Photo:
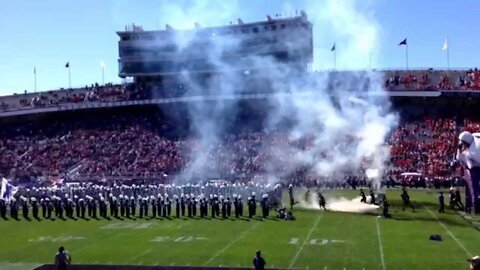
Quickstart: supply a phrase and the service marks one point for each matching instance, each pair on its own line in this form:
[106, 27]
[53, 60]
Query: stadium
[223, 141]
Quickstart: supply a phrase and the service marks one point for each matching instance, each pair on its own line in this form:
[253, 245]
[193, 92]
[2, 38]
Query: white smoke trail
[345, 117]
[338, 204]
[349, 24]
[350, 206]
[360, 109]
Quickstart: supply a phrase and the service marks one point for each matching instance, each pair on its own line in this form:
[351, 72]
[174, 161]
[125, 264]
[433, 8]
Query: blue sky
[48, 33]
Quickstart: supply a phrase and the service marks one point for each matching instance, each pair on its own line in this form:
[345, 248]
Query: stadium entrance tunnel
[129, 267]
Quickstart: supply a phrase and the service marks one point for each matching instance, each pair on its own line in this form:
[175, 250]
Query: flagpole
[406, 55]
[335, 59]
[448, 55]
[69, 77]
[370, 59]
[448, 58]
[103, 75]
[35, 79]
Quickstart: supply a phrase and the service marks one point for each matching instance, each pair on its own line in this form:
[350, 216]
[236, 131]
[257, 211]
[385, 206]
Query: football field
[316, 240]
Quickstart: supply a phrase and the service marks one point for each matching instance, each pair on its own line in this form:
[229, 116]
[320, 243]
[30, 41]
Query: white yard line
[113, 236]
[449, 232]
[19, 265]
[304, 242]
[380, 245]
[79, 249]
[140, 255]
[231, 243]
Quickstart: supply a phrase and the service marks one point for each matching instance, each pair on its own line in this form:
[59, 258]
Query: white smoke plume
[351, 25]
[339, 204]
[344, 117]
[350, 206]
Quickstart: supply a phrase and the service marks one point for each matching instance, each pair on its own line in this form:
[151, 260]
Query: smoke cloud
[339, 204]
[344, 117]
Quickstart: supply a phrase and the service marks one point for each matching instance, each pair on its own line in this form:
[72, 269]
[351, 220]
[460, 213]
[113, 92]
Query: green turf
[297, 244]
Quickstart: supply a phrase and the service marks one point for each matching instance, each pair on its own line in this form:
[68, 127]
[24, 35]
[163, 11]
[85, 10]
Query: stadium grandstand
[142, 128]
[400, 82]
[147, 133]
[74, 146]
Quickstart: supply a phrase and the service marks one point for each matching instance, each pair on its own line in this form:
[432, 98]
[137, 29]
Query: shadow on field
[398, 204]
[431, 219]
[128, 267]
[420, 213]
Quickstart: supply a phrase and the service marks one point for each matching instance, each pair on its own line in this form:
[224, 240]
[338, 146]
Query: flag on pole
[333, 48]
[445, 45]
[447, 51]
[404, 42]
[102, 64]
[67, 65]
[7, 190]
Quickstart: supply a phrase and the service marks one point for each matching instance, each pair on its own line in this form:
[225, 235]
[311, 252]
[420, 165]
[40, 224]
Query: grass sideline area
[316, 240]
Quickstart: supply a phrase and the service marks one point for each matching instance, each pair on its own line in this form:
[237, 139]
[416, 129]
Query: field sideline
[316, 240]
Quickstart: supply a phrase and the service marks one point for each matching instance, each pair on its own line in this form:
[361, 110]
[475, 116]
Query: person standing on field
[62, 259]
[258, 261]
[441, 202]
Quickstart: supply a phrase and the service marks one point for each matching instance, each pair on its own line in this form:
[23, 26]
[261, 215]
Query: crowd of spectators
[438, 80]
[93, 93]
[136, 148]
[426, 146]
[394, 80]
